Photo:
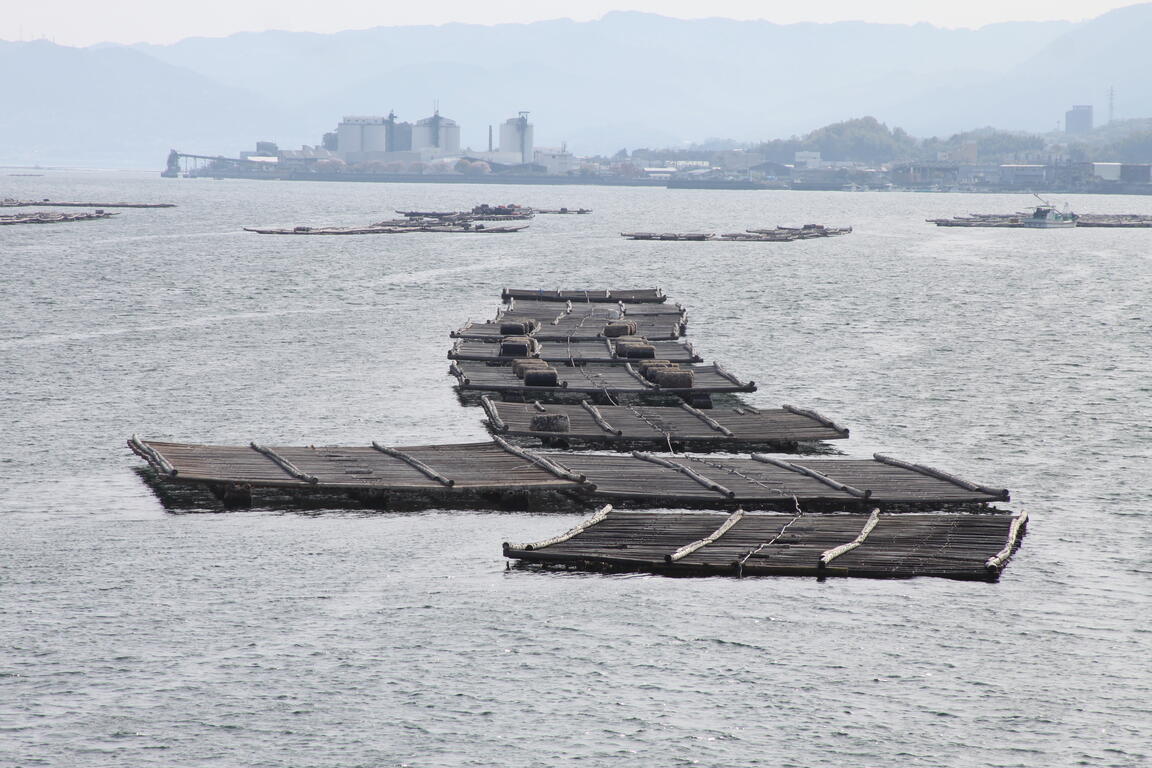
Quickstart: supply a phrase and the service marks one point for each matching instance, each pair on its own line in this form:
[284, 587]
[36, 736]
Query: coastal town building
[1078, 120]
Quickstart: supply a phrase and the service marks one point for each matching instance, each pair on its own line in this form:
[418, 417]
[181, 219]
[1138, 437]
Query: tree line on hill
[868, 141]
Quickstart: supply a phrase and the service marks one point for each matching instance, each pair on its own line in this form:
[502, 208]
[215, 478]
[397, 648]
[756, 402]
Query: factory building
[436, 136]
[370, 138]
[516, 138]
[1078, 120]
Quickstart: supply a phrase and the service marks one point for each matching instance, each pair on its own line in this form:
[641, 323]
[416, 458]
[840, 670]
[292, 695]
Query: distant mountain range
[626, 80]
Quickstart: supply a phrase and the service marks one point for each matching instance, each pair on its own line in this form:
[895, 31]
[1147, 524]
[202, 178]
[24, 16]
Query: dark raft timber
[633, 385]
[969, 547]
[44, 217]
[661, 427]
[439, 472]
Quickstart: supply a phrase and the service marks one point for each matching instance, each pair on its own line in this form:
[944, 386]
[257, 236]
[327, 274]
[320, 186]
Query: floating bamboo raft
[776, 235]
[389, 229]
[627, 296]
[482, 212]
[571, 327]
[770, 481]
[595, 378]
[969, 547]
[660, 426]
[434, 472]
[43, 217]
[568, 321]
[576, 352]
[546, 310]
[46, 203]
[638, 478]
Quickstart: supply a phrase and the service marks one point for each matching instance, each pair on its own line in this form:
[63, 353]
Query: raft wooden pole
[647, 384]
[996, 562]
[1001, 492]
[699, 478]
[814, 475]
[494, 417]
[151, 455]
[286, 465]
[831, 554]
[598, 417]
[539, 461]
[711, 422]
[459, 374]
[597, 518]
[688, 549]
[818, 417]
[749, 387]
[415, 463]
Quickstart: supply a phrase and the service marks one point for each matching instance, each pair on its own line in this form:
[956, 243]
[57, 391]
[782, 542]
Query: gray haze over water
[135, 636]
[626, 80]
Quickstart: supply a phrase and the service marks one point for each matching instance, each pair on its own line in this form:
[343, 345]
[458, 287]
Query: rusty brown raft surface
[661, 425]
[638, 478]
[972, 547]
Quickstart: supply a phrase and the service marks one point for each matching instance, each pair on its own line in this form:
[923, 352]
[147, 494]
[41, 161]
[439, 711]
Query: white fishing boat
[1045, 216]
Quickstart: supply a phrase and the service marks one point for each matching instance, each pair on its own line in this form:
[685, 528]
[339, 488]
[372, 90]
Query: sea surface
[134, 635]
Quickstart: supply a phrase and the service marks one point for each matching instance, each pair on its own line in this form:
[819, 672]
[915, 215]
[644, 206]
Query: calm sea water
[134, 636]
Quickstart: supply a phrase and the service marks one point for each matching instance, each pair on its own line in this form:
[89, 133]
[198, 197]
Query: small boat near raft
[1045, 216]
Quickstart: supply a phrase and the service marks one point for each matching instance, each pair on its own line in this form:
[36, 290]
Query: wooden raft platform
[659, 425]
[436, 470]
[594, 378]
[554, 311]
[440, 471]
[46, 203]
[576, 322]
[763, 479]
[968, 547]
[572, 351]
[626, 295]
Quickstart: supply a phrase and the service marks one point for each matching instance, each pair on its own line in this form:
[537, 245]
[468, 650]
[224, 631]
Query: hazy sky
[83, 22]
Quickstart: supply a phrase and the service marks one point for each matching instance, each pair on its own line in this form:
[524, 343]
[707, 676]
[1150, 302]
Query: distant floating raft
[586, 351]
[577, 324]
[572, 329]
[596, 378]
[659, 425]
[54, 218]
[776, 235]
[10, 203]
[954, 546]
[615, 295]
[438, 472]
[387, 230]
[669, 236]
